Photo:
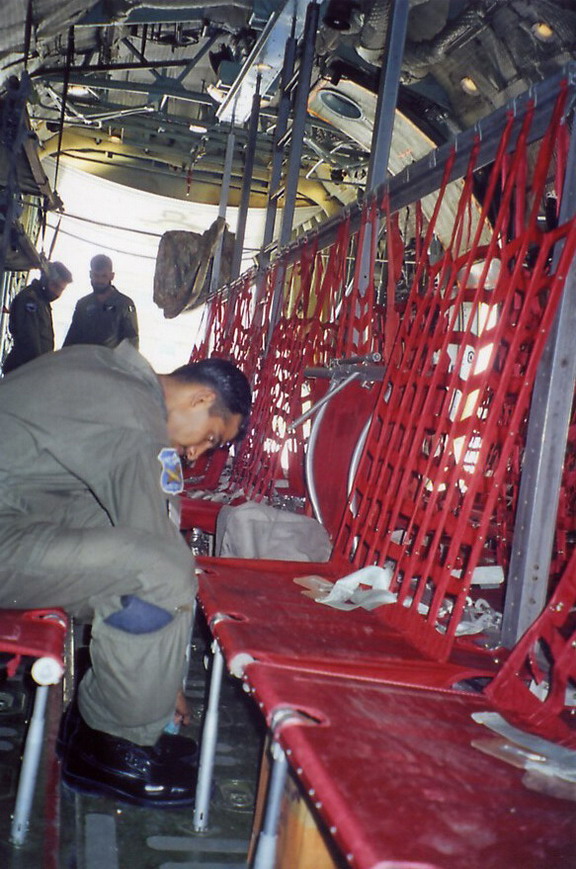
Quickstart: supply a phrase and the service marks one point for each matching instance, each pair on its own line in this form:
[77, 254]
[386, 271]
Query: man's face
[101, 279]
[54, 289]
[193, 429]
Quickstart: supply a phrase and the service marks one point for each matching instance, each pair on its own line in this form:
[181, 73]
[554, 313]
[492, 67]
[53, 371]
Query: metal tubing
[388, 95]
[295, 158]
[264, 857]
[337, 386]
[246, 183]
[29, 769]
[208, 744]
[299, 121]
[539, 494]
[278, 150]
[224, 194]
[383, 127]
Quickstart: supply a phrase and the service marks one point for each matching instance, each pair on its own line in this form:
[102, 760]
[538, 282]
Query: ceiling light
[115, 135]
[542, 31]
[469, 86]
[197, 127]
[78, 90]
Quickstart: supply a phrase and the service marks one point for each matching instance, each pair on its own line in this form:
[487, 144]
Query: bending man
[90, 440]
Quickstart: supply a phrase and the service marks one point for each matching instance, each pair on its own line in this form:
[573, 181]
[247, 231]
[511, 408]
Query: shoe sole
[88, 786]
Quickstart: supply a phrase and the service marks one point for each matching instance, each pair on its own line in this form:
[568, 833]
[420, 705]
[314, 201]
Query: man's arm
[129, 325]
[25, 327]
[73, 336]
[131, 490]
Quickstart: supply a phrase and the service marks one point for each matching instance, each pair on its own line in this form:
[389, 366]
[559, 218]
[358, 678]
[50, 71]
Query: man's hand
[182, 712]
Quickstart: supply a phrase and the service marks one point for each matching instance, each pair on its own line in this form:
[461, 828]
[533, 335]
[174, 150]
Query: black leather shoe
[156, 776]
[171, 746]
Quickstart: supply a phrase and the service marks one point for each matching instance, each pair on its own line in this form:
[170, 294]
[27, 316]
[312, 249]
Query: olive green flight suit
[103, 321]
[30, 326]
[84, 521]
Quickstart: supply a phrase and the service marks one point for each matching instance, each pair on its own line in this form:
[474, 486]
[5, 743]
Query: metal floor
[73, 831]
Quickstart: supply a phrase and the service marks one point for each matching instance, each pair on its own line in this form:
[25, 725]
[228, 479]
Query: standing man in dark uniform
[31, 316]
[90, 442]
[106, 316]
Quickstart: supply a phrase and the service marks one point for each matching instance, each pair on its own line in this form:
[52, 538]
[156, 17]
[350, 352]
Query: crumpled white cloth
[368, 588]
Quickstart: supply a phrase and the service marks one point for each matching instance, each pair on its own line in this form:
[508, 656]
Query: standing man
[31, 316]
[106, 316]
[90, 442]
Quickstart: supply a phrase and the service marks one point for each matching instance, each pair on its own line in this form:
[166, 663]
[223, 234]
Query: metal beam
[149, 13]
[54, 71]
[296, 146]
[246, 183]
[536, 514]
[383, 127]
[299, 121]
[223, 205]
[278, 150]
[388, 95]
[175, 90]
[264, 60]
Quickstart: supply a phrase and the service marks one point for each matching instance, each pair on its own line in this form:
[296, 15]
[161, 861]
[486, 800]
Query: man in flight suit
[90, 440]
[31, 316]
[105, 316]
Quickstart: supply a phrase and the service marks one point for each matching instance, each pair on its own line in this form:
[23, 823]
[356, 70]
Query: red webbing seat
[459, 380]
[395, 774]
[458, 383]
[38, 634]
[394, 777]
[260, 613]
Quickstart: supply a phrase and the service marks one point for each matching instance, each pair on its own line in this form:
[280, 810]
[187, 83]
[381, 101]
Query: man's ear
[201, 396]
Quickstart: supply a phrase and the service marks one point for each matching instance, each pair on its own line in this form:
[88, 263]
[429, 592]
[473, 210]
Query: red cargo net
[461, 374]
[536, 688]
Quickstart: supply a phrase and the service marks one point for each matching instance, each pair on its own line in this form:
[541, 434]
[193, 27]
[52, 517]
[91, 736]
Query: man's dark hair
[232, 389]
[57, 271]
[100, 261]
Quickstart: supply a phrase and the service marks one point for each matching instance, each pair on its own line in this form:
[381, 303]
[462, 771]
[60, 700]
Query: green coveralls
[30, 326]
[106, 322]
[84, 520]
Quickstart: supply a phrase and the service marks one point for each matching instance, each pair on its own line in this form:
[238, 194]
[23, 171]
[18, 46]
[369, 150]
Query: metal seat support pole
[539, 494]
[208, 743]
[223, 204]
[29, 769]
[265, 855]
[246, 182]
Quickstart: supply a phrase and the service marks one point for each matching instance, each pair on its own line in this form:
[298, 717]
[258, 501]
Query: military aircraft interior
[369, 207]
